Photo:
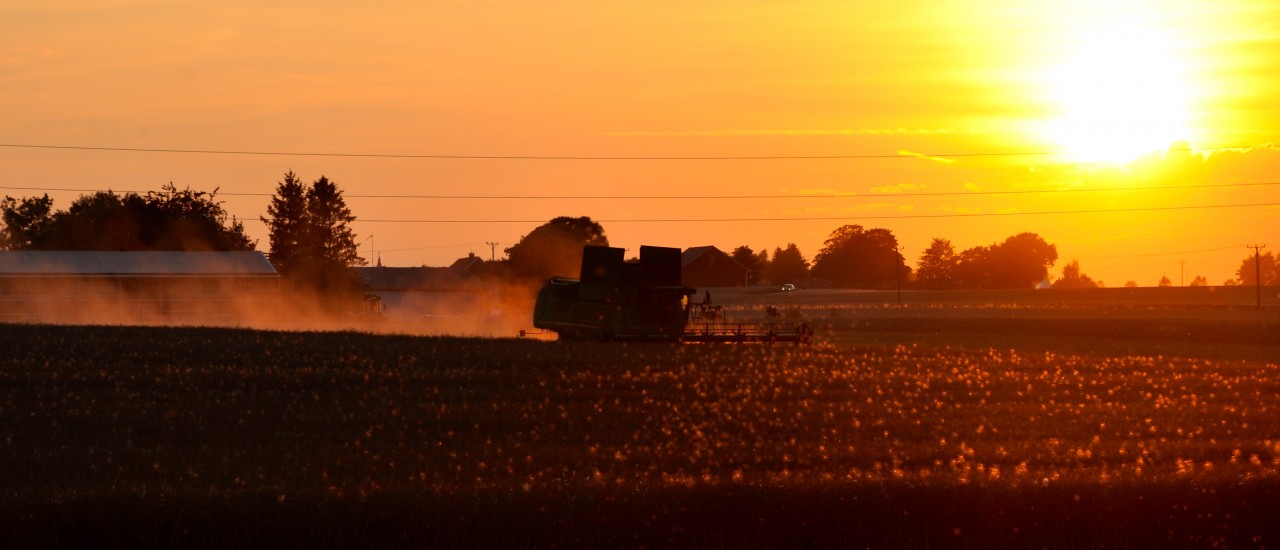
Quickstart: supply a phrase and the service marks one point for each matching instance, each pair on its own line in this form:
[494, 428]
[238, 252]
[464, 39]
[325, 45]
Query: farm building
[135, 287]
[708, 266]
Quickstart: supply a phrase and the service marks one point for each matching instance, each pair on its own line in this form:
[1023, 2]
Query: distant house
[708, 266]
[466, 264]
[68, 286]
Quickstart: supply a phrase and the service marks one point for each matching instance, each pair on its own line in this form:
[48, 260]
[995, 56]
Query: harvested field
[893, 430]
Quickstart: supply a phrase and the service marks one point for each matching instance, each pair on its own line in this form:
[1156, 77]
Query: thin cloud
[943, 160]
[727, 132]
[825, 192]
[898, 188]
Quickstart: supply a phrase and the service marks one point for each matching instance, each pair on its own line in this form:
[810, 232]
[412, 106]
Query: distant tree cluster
[1020, 261]
[856, 257]
[1072, 277]
[169, 219]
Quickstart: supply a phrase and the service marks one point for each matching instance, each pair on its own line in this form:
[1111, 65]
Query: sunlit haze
[1132, 135]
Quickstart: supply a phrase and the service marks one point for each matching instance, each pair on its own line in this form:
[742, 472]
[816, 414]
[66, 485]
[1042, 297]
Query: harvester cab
[615, 300]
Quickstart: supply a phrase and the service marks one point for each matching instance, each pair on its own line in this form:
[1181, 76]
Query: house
[467, 264]
[708, 266]
[73, 286]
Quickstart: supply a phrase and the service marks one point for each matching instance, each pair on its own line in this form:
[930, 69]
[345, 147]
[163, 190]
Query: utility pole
[492, 247]
[1257, 270]
[1182, 278]
[897, 270]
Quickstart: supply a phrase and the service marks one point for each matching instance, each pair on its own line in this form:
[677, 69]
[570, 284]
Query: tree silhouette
[787, 266]
[286, 221]
[1200, 280]
[859, 258]
[1249, 270]
[25, 221]
[554, 248]
[1073, 278]
[1164, 282]
[312, 243]
[170, 219]
[936, 269]
[748, 259]
[1021, 261]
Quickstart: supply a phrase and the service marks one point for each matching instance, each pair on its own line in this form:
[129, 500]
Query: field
[952, 423]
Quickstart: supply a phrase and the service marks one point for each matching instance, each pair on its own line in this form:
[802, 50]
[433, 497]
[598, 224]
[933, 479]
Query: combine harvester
[618, 301]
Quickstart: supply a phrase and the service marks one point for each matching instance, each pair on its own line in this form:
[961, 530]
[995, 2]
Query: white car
[788, 287]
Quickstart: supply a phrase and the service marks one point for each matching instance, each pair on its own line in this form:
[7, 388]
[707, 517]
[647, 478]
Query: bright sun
[1122, 94]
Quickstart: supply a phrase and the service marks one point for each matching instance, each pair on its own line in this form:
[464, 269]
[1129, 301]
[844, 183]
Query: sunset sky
[1133, 135]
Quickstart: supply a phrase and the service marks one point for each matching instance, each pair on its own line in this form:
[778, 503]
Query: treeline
[312, 244]
[856, 257]
[169, 219]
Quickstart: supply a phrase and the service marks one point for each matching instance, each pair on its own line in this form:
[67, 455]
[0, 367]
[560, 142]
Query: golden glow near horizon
[1100, 82]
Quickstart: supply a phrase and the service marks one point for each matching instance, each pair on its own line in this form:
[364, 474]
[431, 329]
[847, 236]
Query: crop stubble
[182, 435]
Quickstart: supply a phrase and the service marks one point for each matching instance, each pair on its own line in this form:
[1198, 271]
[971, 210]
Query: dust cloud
[237, 296]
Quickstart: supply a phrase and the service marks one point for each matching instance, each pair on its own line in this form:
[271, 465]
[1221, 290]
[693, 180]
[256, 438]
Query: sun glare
[1122, 93]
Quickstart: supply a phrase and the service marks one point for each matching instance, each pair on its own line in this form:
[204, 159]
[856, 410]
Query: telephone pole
[492, 246]
[897, 270]
[1257, 270]
[1182, 277]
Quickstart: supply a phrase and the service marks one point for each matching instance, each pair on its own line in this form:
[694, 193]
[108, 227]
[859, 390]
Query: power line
[1158, 253]
[557, 157]
[855, 218]
[716, 197]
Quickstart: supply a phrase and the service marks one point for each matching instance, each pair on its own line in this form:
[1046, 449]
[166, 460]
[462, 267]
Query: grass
[968, 431]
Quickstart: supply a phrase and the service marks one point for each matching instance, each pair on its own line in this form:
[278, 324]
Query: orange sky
[1097, 83]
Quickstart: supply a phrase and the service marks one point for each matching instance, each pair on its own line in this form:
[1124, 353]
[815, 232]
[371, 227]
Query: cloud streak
[793, 132]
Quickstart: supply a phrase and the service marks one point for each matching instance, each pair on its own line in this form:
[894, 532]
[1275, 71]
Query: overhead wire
[437, 156]
[715, 197]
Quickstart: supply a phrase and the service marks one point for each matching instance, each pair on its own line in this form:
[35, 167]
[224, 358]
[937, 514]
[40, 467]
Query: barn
[68, 286]
[708, 266]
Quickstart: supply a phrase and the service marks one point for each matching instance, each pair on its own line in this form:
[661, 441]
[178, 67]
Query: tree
[1200, 280]
[192, 220]
[787, 266]
[973, 268]
[1131, 284]
[1164, 282]
[286, 223]
[1021, 261]
[25, 221]
[171, 219]
[312, 243]
[1249, 270]
[937, 266]
[1073, 278]
[750, 260]
[328, 233]
[860, 258]
[554, 248]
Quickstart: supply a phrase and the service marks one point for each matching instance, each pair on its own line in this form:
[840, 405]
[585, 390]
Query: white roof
[98, 263]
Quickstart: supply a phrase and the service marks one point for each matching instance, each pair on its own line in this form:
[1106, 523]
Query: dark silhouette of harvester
[614, 300]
